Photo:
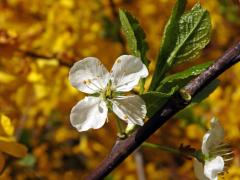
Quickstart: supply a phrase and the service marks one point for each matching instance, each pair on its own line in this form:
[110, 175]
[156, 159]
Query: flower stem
[183, 152]
[163, 148]
[141, 83]
[121, 133]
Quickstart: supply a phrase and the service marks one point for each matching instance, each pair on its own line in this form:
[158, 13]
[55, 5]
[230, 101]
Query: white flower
[91, 77]
[217, 155]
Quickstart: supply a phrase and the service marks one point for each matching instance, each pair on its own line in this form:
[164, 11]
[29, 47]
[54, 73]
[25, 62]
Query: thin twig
[139, 160]
[113, 9]
[125, 147]
[35, 55]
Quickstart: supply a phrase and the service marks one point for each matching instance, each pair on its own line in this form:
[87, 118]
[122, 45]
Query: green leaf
[155, 100]
[168, 42]
[109, 177]
[25, 137]
[182, 78]
[194, 34]
[135, 35]
[204, 93]
[28, 161]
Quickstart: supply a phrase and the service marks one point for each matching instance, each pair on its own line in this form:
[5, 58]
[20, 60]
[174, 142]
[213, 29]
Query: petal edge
[88, 75]
[126, 72]
[130, 108]
[91, 112]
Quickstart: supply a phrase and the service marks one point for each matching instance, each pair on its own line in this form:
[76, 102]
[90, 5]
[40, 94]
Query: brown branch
[113, 9]
[35, 55]
[124, 148]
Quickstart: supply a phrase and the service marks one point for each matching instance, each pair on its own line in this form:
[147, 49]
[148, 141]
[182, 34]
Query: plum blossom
[106, 91]
[216, 154]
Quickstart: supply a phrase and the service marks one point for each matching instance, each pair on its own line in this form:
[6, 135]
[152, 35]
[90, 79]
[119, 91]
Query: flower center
[108, 91]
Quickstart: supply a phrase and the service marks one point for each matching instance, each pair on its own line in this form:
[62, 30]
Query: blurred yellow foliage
[6, 127]
[6, 78]
[8, 144]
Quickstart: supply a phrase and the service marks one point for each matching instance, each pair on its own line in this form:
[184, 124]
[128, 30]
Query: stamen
[125, 117]
[225, 151]
[228, 154]
[86, 82]
[96, 86]
[223, 145]
[221, 151]
[221, 173]
[89, 82]
[118, 60]
[227, 160]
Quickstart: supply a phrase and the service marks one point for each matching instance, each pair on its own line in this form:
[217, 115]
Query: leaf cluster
[184, 37]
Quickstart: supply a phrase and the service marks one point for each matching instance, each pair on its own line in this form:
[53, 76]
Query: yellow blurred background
[40, 39]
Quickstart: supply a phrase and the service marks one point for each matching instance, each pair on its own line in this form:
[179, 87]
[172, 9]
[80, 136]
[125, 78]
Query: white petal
[198, 170]
[130, 108]
[126, 72]
[213, 137]
[213, 167]
[91, 112]
[89, 75]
